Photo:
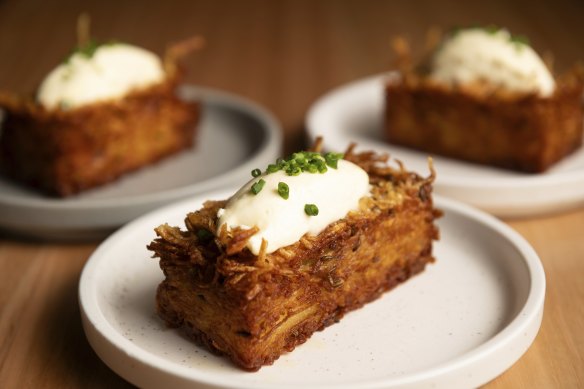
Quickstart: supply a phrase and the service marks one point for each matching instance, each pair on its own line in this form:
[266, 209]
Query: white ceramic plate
[235, 136]
[460, 323]
[354, 113]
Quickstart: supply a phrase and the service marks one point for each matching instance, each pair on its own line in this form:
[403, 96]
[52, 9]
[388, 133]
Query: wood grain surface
[283, 55]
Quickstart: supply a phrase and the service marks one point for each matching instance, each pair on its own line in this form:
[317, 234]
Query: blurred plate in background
[235, 136]
[354, 113]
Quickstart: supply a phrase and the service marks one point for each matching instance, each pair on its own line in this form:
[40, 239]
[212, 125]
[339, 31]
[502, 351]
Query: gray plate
[354, 113]
[235, 136]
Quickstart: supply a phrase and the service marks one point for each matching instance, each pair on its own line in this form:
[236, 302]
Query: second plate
[235, 136]
[354, 113]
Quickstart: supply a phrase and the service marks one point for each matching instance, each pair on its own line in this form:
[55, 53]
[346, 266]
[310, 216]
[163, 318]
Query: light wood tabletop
[283, 55]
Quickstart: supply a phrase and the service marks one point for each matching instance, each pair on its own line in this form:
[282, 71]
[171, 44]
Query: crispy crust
[64, 152]
[253, 309]
[475, 123]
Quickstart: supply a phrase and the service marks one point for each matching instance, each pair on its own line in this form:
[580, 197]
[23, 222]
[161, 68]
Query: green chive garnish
[256, 172]
[293, 170]
[305, 161]
[321, 166]
[204, 235]
[257, 187]
[87, 50]
[283, 190]
[520, 40]
[492, 29]
[299, 157]
[311, 209]
[332, 159]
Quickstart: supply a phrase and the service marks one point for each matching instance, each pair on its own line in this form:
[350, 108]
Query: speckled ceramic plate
[354, 113]
[462, 322]
[235, 136]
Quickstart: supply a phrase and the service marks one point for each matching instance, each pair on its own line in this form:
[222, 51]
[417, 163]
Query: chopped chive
[332, 159]
[293, 170]
[520, 40]
[311, 209]
[204, 235]
[305, 161]
[283, 190]
[298, 157]
[455, 30]
[256, 172]
[87, 50]
[258, 186]
[64, 105]
[492, 29]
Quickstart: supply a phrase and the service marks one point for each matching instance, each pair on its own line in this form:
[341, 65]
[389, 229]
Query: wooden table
[284, 55]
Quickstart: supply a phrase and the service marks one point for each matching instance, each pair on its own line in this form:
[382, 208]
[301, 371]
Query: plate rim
[528, 316]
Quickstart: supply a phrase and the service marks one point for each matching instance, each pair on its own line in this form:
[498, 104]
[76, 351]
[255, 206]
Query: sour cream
[283, 222]
[111, 72]
[492, 56]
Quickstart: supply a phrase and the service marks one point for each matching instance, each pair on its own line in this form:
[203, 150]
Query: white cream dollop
[111, 72]
[476, 54]
[283, 222]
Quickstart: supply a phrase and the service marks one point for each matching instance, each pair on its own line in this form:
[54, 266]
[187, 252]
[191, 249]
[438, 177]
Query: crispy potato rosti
[254, 308]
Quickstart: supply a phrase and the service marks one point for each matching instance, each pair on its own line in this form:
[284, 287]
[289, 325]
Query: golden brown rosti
[254, 308]
[513, 130]
[66, 151]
